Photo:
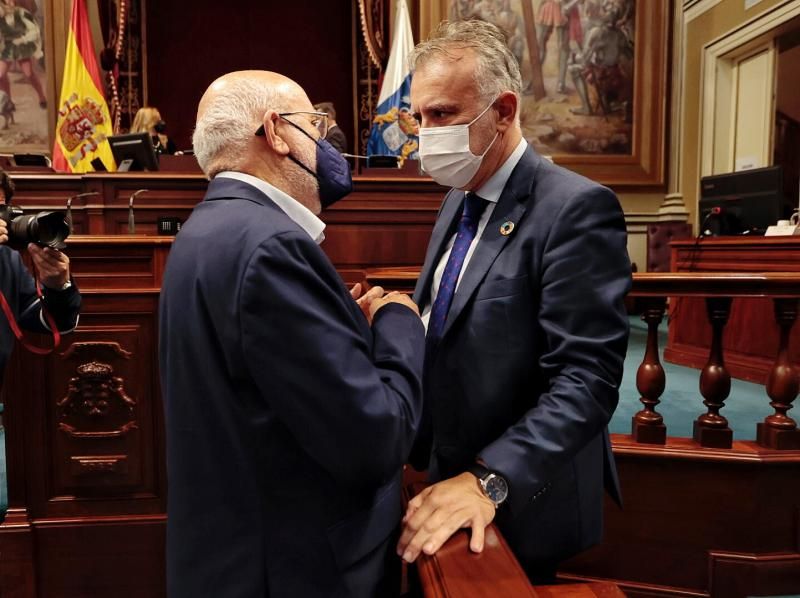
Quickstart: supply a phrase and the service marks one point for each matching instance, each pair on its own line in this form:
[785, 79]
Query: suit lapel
[445, 227]
[510, 208]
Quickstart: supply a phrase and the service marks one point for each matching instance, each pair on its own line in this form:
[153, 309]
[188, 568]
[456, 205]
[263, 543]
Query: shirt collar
[493, 188]
[301, 215]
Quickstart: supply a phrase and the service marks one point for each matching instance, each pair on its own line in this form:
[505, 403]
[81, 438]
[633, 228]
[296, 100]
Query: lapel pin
[506, 228]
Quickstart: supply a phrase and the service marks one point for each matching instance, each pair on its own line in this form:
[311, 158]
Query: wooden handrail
[655, 284]
[457, 572]
[715, 284]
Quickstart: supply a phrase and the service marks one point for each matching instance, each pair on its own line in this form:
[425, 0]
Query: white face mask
[445, 154]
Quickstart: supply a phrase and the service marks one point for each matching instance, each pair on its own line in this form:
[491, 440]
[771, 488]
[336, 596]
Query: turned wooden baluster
[647, 426]
[779, 431]
[711, 429]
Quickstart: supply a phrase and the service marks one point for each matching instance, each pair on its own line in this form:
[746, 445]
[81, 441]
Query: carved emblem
[96, 404]
[78, 130]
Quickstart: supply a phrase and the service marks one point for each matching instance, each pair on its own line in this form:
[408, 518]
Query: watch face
[496, 489]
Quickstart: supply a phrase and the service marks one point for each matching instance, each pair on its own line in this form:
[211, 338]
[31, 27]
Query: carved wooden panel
[101, 421]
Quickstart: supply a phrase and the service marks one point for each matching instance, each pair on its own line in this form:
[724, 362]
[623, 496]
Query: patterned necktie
[467, 227]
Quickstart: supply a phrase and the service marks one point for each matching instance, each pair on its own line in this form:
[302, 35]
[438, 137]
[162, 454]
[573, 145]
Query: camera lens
[45, 228]
[49, 228]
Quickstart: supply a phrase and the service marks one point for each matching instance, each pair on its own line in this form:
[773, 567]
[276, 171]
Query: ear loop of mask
[295, 160]
[484, 111]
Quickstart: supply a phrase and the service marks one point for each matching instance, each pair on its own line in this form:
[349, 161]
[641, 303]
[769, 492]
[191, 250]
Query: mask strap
[303, 166]
[302, 130]
[295, 160]
[482, 112]
[486, 151]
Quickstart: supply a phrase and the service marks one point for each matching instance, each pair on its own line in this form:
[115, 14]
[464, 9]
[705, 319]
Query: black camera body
[48, 228]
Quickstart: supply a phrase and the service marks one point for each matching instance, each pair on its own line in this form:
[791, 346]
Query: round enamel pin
[506, 228]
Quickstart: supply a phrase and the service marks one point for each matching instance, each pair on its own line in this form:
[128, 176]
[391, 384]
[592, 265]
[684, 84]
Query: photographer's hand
[52, 265]
[3, 232]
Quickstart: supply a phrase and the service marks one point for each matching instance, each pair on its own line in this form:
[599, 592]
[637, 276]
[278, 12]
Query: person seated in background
[335, 136]
[148, 120]
[60, 297]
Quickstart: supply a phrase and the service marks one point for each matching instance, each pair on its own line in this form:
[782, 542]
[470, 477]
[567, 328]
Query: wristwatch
[494, 486]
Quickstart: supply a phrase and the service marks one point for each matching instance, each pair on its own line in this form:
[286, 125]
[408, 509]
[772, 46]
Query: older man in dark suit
[288, 417]
[522, 294]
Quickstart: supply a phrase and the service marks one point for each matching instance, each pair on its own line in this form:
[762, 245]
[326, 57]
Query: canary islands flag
[395, 131]
[84, 122]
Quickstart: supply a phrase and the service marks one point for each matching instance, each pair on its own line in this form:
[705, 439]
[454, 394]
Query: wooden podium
[751, 335]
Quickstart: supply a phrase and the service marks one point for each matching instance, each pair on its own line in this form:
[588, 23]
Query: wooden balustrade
[777, 431]
[648, 425]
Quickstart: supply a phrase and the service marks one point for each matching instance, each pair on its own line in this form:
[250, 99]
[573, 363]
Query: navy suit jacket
[288, 418]
[527, 373]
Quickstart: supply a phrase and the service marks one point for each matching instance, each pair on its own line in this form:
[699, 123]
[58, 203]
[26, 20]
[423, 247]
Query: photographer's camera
[47, 228]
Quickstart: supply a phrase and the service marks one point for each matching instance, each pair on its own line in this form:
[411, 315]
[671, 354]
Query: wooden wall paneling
[744, 574]
[17, 573]
[683, 504]
[123, 558]
[307, 41]
[121, 262]
[162, 195]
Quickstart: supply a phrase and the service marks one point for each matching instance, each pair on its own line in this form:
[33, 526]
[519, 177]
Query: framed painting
[24, 77]
[594, 80]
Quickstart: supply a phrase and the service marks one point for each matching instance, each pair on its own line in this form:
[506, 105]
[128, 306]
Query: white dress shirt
[490, 191]
[301, 215]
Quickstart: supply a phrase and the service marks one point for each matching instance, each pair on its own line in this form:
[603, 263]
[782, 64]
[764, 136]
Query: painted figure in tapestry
[586, 62]
[23, 101]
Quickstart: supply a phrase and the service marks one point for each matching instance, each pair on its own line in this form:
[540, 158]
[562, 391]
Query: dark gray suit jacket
[527, 373]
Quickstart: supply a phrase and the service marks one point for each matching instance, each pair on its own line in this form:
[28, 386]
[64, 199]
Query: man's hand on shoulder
[393, 297]
[441, 510]
[51, 264]
[3, 232]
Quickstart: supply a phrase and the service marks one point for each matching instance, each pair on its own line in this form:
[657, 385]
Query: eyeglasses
[317, 119]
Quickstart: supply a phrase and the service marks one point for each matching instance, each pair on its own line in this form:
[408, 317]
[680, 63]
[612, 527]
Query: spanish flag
[84, 122]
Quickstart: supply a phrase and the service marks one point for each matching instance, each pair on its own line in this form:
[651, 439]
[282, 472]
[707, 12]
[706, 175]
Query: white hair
[497, 69]
[227, 126]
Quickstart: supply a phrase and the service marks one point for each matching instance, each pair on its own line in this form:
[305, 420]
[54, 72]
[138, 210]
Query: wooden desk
[385, 222]
[751, 336]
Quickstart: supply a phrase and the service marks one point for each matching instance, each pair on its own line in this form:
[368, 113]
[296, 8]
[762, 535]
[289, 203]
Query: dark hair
[327, 107]
[7, 185]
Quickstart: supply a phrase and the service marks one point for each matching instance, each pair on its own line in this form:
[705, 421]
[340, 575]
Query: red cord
[18, 333]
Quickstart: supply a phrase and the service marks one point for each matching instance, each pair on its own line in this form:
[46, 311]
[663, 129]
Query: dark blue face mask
[333, 171]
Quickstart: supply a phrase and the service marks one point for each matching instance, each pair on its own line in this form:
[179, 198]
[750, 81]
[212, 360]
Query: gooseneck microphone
[69, 206]
[131, 221]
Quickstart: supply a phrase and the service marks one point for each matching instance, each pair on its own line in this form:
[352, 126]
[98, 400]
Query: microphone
[131, 221]
[69, 206]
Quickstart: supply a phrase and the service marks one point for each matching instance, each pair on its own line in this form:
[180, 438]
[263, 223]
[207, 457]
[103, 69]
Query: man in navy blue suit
[289, 416]
[522, 295]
